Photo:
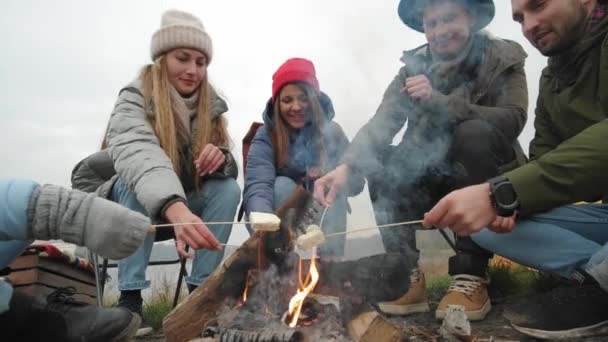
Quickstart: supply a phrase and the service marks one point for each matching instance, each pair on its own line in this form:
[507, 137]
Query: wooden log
[188, 319]
[370, 326]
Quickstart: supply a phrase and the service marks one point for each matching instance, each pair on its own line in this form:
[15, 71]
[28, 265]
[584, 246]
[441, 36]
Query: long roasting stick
[165, 225]
[351, 231]
[407, 223]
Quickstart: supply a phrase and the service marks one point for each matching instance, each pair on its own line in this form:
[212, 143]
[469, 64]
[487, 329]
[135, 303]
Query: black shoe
[91, 323]
[132, 301]
[565, 312]
[28, 320]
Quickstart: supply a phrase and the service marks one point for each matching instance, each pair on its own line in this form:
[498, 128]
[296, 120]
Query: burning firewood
[372, 279]
[228, 280]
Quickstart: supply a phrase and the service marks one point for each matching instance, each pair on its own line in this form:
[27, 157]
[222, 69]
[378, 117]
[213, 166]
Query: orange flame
[246, 286]
[306, 286]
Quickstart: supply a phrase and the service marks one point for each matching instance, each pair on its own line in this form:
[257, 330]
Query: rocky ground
[494, 328]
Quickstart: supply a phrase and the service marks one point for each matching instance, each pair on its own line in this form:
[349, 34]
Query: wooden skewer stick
[193, 223]
[407, 223]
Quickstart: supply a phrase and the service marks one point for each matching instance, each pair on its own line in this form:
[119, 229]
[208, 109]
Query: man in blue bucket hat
[463, 96]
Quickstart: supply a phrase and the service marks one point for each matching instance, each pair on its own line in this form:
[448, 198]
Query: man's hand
[418, 87]
[196, 235]
[465, 211]
[328, 186]
[503, 225]
[210, 159]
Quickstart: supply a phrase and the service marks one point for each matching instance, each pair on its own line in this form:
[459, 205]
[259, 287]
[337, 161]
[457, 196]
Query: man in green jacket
[529, 211]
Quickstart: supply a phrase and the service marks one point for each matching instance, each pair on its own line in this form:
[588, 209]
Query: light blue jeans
[334, 221]
[562, 241]
[215, 202]
[14, 200]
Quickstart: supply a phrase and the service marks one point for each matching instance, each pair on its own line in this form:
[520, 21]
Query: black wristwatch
[503, 196]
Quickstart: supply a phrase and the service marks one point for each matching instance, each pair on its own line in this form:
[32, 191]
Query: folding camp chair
[101, 271]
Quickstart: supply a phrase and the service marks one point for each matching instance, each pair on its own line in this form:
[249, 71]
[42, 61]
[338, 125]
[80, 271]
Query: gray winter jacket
[134, 154]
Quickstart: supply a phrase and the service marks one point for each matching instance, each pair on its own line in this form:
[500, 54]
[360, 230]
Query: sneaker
[413, 301]
[91, 323]
[565, 312]
[132, 301]
[469, 291]
[26, 312]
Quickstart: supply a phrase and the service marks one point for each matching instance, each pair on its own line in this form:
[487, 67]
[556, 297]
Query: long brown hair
[157, 96]
[279, 133]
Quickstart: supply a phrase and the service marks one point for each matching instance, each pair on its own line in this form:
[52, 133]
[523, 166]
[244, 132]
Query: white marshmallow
[313, 237]
[264, 221]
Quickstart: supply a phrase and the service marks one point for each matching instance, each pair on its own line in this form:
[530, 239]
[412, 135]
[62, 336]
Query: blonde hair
[279, 133]
[157, 92]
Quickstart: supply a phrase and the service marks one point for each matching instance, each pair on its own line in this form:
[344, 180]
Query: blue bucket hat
[410, 12]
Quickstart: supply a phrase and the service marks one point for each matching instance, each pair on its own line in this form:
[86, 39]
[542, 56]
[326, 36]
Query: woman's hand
[196, 235]
[210, 160]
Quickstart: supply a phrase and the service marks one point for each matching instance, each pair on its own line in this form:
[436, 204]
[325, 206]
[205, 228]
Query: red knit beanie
[294, 70]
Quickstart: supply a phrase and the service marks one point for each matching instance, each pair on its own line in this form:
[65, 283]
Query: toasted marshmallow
[264, 222]
[313, 237]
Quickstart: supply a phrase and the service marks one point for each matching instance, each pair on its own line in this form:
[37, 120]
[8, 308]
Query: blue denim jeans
[14, 201]
[334, 221]
[215, 202]
[561, 241]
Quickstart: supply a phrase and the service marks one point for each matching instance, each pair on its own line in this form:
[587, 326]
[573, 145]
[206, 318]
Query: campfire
[305, 287]
[267, 292]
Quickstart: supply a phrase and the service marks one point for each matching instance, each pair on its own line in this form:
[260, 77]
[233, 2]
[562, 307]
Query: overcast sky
[63, 63]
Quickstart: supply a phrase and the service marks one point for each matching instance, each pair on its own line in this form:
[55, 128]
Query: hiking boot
[469, 291]
[565, 312]
[27, 319]
[414, 300]
[132, 301]
[91, 323]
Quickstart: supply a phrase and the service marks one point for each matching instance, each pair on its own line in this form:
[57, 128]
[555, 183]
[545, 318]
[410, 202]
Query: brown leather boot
[414, 300]
[469, 291]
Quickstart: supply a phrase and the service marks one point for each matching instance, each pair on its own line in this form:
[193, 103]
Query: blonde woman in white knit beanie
[168, 143]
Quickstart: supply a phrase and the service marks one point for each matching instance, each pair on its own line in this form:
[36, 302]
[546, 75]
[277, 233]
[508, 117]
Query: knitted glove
[106, 228]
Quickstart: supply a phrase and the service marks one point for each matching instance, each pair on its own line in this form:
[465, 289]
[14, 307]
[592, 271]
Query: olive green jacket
[569, 152]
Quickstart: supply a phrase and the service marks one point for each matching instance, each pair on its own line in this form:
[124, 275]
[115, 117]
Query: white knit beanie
[180, 30]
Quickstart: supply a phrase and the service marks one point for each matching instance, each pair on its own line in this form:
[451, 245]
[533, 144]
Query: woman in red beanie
[298, 143]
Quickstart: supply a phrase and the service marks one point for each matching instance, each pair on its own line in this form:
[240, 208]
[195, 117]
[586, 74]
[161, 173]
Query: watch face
[505, 194]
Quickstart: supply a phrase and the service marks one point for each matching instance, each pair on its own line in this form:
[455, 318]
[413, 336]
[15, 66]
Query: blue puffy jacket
[14, 201]
[261, 172]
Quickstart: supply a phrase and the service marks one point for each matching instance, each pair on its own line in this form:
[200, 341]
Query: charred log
[235, 335]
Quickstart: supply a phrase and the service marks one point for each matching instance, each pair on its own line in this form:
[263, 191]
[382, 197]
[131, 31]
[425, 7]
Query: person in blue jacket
[298, 143]
[28, 212]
